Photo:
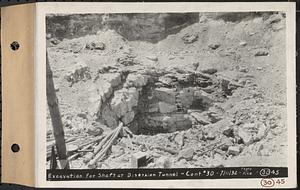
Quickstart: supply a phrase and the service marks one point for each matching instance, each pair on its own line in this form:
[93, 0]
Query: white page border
[88, 7]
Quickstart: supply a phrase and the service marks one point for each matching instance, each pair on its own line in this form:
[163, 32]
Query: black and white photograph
[166, 90]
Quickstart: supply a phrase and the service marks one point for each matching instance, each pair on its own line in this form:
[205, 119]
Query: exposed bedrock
[150, 103]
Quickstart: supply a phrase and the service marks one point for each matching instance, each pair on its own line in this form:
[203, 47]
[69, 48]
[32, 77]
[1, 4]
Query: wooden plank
[18, 23]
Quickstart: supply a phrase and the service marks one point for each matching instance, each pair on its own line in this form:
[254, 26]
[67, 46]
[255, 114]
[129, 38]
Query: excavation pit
[160, 102]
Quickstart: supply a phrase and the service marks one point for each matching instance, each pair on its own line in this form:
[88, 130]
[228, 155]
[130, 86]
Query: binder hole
[15, 46]
[15, 148]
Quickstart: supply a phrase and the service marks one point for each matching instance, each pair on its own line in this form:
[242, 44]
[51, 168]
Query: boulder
[166, 80]
[262, 131]
[114, 79]
[227, 143]
[106, 69]
[261, 52]
[187, 154]
[210, 136]
[214, 45]
[189, 38]
[166, 107]
[152, 58]
[95, 46]
[78, 72]
[99, 46]
[242, 43]
[167, 121]
[213, 116]
[210, 71]
[179, 139]
[234, 150]
[127, 60]
[245, 135]
[163, 162]
[95, 131]
[244, 70]
[54, 41]
[48, 36]
[117, 150]
[228, 132]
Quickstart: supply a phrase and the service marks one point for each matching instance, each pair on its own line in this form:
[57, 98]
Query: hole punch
[15, 148]
[15, 46]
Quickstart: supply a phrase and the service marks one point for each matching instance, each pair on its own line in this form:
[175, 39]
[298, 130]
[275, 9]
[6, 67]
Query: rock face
[136, 80]
[166, 107]
[152, 102]
[203, 96]
[165, 95]
[186, 97]
[173, 122]
[124, 101]
[114, 79]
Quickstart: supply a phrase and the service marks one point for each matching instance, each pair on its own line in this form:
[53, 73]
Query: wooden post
[53, 161]
[58, 130]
